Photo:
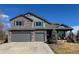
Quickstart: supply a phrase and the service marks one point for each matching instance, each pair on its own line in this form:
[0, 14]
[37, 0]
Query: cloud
[75, 29]
[4, 18]
[4, 21]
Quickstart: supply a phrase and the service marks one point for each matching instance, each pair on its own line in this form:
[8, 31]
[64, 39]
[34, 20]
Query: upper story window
[19, 23]
[38, 24]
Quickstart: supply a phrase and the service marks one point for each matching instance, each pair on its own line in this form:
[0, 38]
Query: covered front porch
[57, 34]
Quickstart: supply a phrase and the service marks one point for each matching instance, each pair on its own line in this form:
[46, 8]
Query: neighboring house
[32, 28]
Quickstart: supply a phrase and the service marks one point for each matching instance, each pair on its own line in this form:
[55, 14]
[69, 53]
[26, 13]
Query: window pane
[19, 23]
[40, 23]
[37, 24]
[16, 23]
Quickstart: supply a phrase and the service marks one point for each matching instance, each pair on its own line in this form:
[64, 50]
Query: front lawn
[66, 48]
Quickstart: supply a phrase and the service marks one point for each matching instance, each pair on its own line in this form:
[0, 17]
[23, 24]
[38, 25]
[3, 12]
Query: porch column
[64, 35]
[56, 35]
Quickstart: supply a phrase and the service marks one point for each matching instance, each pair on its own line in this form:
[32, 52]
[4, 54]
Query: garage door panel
[40, 36]
[21, 37]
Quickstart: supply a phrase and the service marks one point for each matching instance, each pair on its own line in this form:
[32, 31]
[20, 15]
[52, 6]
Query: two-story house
[29, 27]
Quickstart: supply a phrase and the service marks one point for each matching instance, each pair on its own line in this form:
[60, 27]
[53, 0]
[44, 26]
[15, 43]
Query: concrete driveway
[25, 48]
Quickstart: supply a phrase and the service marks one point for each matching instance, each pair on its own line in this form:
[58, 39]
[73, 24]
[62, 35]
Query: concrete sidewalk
[25, 48]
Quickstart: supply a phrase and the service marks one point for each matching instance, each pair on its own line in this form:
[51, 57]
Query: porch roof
[62, 26]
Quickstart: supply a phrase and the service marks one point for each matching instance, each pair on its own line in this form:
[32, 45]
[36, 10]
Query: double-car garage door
[21, 36]
[26, 36]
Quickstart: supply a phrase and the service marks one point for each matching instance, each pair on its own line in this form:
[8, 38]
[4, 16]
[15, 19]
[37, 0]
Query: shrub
[54, 37]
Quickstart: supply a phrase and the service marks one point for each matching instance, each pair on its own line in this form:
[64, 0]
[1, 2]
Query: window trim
[19, 23]
[38, 24]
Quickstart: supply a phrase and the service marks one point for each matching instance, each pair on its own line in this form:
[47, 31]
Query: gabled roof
[37, 17]
[23, 15]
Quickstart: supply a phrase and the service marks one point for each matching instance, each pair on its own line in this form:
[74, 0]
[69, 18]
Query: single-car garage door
[40, 36]
[21, 36]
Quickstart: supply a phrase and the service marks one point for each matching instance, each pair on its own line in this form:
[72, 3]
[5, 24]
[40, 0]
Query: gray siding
[27, 23]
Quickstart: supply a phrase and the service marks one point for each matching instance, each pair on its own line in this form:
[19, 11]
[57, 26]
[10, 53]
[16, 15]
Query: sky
[55, 13]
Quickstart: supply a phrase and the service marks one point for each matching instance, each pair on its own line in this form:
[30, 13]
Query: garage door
[21, 36]
[40, 36]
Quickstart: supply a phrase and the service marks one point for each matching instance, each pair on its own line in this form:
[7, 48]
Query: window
[38, 24]
[19, 23]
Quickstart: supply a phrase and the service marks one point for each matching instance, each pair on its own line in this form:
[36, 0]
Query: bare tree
[71, 37]
[77, 36]
[2, 37]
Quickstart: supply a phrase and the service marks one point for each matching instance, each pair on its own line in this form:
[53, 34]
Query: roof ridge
[33, 15]
[37, 17]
